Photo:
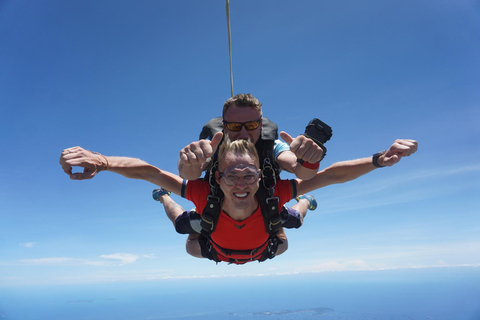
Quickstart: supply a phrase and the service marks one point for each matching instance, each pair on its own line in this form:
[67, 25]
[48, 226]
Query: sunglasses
[237, 126]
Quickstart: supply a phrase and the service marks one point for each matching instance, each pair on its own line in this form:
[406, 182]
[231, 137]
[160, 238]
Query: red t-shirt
[230, 234]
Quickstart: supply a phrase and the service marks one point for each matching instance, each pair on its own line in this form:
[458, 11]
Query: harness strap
[229, 46]
[209, 250]
[211, 212]
[275, 221]
[269, 207]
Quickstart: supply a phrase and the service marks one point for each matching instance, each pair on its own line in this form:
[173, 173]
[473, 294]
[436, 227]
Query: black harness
[265, 194]
[317, 130]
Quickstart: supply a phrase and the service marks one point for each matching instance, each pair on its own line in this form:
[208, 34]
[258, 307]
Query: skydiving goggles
[237, 126]
[246, 173]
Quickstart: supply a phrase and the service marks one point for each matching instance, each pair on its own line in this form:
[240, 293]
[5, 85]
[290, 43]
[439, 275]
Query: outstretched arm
[344, 171]
[92, 163]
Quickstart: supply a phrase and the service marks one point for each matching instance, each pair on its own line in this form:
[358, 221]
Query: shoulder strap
[211, 212]
[269, 130]
[266, 192]
[211, 127]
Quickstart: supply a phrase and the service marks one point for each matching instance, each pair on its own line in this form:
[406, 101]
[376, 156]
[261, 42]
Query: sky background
[140, 78]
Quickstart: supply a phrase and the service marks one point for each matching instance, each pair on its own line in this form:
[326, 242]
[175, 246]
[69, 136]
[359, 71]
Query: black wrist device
[320, 132]
[375, 159]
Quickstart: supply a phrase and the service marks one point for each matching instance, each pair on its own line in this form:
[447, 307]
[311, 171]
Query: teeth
[240, 195]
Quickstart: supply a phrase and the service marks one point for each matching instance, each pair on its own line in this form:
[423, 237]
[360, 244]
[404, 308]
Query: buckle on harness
[272, 203]
[254, 252]
[211, 178]
[208, 216]
[268, 176]
[209, 222]
[275, 219]
[208, 246]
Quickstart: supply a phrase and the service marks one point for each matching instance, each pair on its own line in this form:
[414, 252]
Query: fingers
[399, 149]
[66, 168]
[79, 157]
[390, 161]
[403, 148]
[286, 137]
[304, 148]
[86, 174]
[412, 146]
[197, 153]
[66, 155]
[216, 139]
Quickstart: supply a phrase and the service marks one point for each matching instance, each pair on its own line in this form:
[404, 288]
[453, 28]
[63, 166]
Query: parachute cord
[230, 46]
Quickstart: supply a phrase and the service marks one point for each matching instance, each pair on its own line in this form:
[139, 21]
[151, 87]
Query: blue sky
[140, 78]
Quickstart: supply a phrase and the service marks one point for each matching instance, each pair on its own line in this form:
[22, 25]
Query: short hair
[239, 147]
[242, 100]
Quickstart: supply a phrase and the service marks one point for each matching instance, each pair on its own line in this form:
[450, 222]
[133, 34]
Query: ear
[217, 177]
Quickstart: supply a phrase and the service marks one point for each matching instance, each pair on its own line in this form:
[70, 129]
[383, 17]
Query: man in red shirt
[238, 177]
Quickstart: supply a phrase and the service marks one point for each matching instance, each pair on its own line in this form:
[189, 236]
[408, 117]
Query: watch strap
[375, 158]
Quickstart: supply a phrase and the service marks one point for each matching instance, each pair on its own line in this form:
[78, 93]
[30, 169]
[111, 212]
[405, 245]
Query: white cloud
[50, 261]
[445, 172]
[28, 244]
[108, 260]
[125, 258]
[335, 266]
[221, 271]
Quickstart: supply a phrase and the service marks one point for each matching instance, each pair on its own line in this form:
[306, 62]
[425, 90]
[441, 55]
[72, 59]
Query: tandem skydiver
[245, 127]
[242, 119]
[240, 235]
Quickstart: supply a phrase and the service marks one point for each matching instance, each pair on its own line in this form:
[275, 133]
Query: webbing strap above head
[229, 46]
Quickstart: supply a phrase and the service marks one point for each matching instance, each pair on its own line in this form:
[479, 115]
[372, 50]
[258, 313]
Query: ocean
[408, 294]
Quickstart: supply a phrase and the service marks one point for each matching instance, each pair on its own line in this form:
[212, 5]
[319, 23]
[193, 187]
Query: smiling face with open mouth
[239, 180]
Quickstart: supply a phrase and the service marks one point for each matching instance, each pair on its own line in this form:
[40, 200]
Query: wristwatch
[375, 158]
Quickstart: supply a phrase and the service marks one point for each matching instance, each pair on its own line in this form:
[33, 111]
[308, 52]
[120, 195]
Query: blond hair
[238, 147]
